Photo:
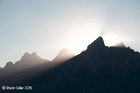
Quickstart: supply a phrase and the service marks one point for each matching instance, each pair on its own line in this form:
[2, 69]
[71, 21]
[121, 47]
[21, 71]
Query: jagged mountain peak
[9, 64]
[30, 57]
[65, 51]
[98, 43]
[63, 55]
[28, 54]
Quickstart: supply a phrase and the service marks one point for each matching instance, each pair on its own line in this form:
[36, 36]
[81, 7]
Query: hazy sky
[47, 26]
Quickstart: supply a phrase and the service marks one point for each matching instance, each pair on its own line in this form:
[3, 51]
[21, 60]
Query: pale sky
[48, 26]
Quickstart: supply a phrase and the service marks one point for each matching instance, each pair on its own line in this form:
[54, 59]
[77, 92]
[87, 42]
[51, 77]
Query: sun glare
[83, 42]
[111, 39]
[83, 36]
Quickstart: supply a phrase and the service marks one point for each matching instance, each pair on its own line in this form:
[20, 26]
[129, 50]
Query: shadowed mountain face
[99, 69]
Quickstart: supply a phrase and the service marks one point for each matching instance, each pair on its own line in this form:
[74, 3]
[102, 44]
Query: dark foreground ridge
[99, 69]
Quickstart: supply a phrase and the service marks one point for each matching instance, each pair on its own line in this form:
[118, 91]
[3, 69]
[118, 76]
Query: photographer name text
[17, 88]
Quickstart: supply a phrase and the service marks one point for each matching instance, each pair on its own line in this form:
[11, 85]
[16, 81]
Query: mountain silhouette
[27, 61]
[99, 69]
[30, 66]
[97, 44]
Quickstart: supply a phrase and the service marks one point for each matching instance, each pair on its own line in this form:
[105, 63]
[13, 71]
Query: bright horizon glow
[83, 36]
[83, 43]
[48, 26]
